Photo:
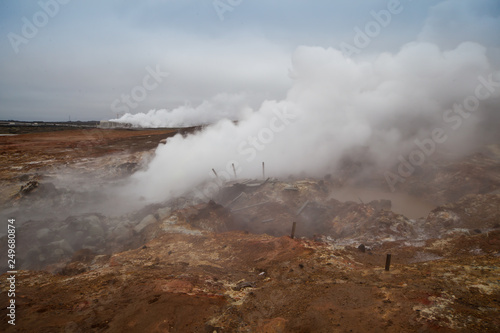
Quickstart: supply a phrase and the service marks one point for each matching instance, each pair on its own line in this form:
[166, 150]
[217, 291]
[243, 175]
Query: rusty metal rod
[302, 208]
[255, 205]
[293, 230]
[234, 200]
[234, 170]
[388, 262]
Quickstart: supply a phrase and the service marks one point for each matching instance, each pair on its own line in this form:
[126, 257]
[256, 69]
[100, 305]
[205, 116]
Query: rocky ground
[229, 264]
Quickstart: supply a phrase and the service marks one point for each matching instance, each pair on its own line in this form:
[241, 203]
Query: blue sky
[90, 53]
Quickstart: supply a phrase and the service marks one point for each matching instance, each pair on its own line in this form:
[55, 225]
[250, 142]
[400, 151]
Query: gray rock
[148, 220]
[92, 219]
[95, 230]
[44, 235]
[62, 245]
[163, 213]
[31, 260]
[381, 204]
[121, 233]
[93, 241]
[91, 248]
[291, 188]
[57, 254]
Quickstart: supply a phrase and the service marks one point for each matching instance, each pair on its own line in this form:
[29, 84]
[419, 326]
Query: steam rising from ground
[335, 105]
[221, 106]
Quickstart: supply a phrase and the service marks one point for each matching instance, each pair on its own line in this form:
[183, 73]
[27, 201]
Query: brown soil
[217, 267]
[182, 283]
[24, 155]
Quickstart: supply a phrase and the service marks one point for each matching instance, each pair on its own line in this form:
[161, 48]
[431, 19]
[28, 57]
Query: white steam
[334, 106]
[221, 106]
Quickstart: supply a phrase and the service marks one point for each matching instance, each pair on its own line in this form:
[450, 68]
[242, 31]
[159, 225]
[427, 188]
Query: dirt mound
[475, 212]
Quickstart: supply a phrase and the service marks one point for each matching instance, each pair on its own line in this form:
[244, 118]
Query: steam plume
[334, 106]
[221, 106]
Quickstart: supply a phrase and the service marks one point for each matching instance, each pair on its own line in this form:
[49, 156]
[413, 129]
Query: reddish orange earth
[193, 280]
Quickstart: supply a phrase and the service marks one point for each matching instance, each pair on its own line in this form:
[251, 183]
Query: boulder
[163, 213]
[44, 235]
[148, 220]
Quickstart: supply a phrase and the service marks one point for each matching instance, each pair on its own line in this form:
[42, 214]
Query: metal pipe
[293, 230]
[234, 170]
[388, 262]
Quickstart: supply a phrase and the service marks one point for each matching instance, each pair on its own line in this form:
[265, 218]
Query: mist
[221, 106]
[335, 105]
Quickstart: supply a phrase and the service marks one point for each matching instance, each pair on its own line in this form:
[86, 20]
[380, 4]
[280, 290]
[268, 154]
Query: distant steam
[334, 106]
[221, 106]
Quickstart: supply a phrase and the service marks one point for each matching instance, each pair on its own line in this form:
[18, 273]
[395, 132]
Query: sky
[96, 60]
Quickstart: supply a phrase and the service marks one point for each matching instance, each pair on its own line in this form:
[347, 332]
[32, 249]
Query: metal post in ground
[293, 230]
[388, 262]
[234, 170]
